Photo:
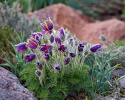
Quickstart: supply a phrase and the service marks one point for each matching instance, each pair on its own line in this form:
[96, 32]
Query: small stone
[122, 81]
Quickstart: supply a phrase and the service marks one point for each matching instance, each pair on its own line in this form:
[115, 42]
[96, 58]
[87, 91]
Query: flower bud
[47, 57]
[38, 73]
[103, 38]
[71, 42]
[72, 55]
[51, 38]
[67, 60]
[95, 48]
[80, 47]
[58, 40]
[57, 67]
[62, 35]
[39, 66]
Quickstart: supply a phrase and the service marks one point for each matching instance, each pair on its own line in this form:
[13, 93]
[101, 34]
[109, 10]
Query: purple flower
[38, 73]
[47, 57]
[32, 43]
[80, 47]
[21, 47]
[36, 35]
[58, 40]
[95, 48]
[67, 60]
[47, 26]
[51, 38]
[47, 48]
[71, 42]
[62, 35]
[57, 67]
[62, 48]
[72, 55]
[39, 66]
[30, 57]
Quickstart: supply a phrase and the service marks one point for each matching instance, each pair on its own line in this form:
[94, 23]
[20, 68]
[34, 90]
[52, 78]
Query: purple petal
[62, 35]
[94, 48]
[57, 67]
[30, 57]
[58, 40]
[43, 48]
[67, 60]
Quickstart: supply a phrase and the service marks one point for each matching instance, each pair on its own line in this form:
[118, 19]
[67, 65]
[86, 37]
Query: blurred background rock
[98, 9]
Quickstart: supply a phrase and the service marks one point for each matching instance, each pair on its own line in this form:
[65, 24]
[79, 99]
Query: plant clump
[59, 64]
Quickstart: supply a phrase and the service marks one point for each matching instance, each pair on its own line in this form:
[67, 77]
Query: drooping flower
[39, 66]
[67, 60]
[71, 41]
[51, 38]
[21, 47]
[95, 48]
[57, 67]
[62, 34]
[32, 43]
[47, 26]
[47, 48]
[72, 54]
[62, 48]
[38, 73]
[30, 57]
[58, 40]
[80, 47]
[47, 57]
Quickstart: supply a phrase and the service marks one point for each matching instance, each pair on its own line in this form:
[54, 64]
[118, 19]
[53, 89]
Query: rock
[119, 72]
[63, 16]
[84, 27]
[109, 98]
[11, 89]
[113, 29]
[122, 81]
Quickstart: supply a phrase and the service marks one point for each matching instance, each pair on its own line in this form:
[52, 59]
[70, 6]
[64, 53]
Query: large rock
[84, 27]
[63, 16]
[113, 29]
[11, 89]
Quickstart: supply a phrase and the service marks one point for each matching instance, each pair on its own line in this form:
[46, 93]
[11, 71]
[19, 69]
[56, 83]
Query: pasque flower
[47, 48]
[61, 34]
[57, 67]
[67, 60]
[32, 43]
[51, 38]
[71, 41]
[47, 57]
[38, 73]
[39, 66]
[72, 54]
[95, 48]
[36, 35]
[80, 47]
[30, 57]
[21, 47]
[58, 40]
[47, 26]
[62, 48]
